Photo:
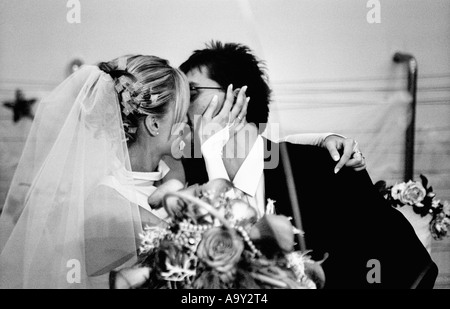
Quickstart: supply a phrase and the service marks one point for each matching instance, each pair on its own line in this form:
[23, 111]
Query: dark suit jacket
[343, 215]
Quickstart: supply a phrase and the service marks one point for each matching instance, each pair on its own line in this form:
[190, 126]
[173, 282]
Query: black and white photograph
[225, 148]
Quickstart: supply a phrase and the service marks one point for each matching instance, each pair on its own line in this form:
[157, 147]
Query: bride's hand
[232, 114]
[351, 155]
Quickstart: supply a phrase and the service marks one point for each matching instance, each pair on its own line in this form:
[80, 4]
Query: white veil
[60, 227]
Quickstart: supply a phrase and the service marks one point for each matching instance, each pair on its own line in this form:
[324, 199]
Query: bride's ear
[152, 124]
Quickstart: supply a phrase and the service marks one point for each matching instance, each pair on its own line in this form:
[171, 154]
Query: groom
[369, 244]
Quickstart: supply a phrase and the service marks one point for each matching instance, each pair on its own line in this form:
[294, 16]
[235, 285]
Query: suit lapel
[275, 180]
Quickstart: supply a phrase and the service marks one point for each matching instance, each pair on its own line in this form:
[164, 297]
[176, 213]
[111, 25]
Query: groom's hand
[351, 155]
[171, 185]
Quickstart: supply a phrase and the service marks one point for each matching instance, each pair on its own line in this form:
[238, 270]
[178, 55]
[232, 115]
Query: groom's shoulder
[302, 153]
[306, 161]
[307, 150]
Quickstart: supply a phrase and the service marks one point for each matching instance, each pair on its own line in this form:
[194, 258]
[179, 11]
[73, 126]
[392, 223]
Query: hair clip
[125, 82]
[127, 108]
[122, 64]
[118, 87]
[154, 98]
[138, 87]
[139, 98]
[126, 96]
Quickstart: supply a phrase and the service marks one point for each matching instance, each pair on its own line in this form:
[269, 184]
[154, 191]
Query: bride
[79, 198]
[92, 158]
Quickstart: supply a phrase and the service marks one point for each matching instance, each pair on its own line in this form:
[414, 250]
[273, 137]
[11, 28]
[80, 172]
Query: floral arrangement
[214, 240]
[421, 198]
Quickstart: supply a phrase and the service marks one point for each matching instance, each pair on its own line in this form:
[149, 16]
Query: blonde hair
[160, 89]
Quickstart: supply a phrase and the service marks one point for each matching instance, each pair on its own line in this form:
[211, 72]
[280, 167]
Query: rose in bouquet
[440, 224]
[423, 201]
[214, 239]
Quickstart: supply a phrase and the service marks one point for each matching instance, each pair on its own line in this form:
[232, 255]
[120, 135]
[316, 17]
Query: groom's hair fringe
[234, 63]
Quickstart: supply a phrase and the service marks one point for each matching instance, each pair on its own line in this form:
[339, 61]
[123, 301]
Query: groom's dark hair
[233, 63]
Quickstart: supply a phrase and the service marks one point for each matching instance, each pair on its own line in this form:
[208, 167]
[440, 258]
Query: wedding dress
[72, 212]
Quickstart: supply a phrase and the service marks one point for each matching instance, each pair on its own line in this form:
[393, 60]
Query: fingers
[351, 157]
[348, 150]
[128, 278]
[240, 121]
[357, 162]
[239, 109]
[339, 165]
[355, 146]
[243, 113]
[358, 169]
[229, 99]
[332, 149]
[233, 116]
[209, 112]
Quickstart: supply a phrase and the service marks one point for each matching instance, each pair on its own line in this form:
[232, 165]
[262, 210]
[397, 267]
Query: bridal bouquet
[214, 240]
[423, 201]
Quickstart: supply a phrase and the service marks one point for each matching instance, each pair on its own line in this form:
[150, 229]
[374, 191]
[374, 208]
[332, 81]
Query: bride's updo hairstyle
[147, 85]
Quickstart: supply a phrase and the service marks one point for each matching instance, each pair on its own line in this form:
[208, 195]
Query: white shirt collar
[249, 174]
[139, 187]
[141, 178]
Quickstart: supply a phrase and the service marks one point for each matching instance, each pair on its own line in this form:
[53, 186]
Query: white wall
[301, 40]
[315, 50]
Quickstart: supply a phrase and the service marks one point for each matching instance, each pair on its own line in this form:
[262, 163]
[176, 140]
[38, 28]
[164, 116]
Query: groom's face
[202, 90]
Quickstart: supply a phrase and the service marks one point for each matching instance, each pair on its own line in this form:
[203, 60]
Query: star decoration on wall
[20, 106]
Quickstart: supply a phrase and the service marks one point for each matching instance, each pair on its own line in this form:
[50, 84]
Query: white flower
[151, 238]
[397, 190]
[446, 222]
[435, 203]
[296, 261]
[446, 208]
[413, 194]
